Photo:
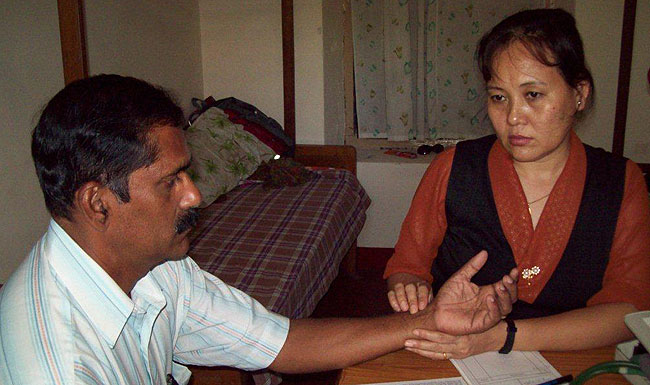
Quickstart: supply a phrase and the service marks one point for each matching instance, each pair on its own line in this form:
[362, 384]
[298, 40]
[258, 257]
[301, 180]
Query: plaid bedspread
[282, 246]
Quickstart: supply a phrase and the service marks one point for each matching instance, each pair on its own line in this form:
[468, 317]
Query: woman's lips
[518, 140]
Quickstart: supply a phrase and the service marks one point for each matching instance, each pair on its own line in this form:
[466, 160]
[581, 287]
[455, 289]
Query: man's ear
[92, 201]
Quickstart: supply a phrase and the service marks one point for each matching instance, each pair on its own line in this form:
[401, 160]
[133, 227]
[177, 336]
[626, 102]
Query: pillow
[223, 154]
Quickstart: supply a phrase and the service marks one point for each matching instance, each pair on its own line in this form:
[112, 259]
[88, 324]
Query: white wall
[31, 72]
[241, 44]
[155, 40]
[600, 23]
[308, 41]
[158, 41]
[637, 133]
[334, 72]
[390, 186]
[242, 57]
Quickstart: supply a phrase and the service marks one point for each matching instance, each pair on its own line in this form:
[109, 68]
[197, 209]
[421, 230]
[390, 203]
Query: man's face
[153, 225]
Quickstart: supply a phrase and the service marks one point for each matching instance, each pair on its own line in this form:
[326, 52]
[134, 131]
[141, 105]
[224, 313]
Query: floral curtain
[415, 70]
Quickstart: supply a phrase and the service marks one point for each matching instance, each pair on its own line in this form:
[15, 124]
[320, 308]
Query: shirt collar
[97, 294]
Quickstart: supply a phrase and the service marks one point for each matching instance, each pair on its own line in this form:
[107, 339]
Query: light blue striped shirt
[63, 320]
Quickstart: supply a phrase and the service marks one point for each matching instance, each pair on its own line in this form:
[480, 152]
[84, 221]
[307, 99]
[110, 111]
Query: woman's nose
[515, 114]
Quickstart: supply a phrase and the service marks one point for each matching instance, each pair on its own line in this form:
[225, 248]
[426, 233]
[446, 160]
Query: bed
[283, 246]
[268, 225]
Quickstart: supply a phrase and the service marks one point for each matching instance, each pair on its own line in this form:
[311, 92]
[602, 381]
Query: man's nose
[191, 194]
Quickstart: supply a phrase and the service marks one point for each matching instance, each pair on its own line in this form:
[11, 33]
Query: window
[415, 73]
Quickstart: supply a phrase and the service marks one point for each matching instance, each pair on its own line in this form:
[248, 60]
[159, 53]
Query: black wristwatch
[510, 338]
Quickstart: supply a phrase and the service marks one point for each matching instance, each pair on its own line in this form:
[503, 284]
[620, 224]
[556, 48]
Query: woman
[573, 219]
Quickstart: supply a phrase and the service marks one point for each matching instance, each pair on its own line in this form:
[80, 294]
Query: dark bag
[264, 128]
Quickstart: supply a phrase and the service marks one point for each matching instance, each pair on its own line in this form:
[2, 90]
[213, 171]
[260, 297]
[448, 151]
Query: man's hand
[462, 307]
[407, 292]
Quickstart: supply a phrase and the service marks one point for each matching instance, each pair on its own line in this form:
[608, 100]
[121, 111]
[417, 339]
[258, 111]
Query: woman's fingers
[401, 300]
[423, 295]
[431, 355]
[412, 298]
[436, 345]
[392, 299]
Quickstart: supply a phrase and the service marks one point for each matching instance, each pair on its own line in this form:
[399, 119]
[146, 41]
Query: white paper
[515, 368]
[438, 381]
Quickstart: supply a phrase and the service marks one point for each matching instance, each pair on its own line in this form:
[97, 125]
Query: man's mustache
[187, 221]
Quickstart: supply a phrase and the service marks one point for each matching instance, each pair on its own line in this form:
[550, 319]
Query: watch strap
[510, 337]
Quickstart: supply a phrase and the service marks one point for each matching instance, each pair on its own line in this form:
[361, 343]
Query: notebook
[515, 368]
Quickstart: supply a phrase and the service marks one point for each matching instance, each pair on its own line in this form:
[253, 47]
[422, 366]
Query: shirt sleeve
[224, 326]
[425, 224]
[627, 275]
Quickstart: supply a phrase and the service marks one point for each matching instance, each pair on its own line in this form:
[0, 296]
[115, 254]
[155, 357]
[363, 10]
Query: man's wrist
[423, 319]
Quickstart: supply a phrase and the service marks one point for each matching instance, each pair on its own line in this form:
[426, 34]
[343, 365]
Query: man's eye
[171, 182]
[534, 94]
[497, 98]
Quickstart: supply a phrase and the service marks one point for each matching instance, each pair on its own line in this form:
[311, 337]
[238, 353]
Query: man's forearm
[461, 307]
[325, 344]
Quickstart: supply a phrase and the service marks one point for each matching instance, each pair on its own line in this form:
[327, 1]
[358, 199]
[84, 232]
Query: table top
[406, 366]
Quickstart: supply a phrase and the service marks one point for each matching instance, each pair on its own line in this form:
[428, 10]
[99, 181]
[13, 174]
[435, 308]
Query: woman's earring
[579, 103]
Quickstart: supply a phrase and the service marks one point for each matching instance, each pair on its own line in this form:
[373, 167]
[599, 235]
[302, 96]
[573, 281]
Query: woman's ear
[583, 92]
[92, 205]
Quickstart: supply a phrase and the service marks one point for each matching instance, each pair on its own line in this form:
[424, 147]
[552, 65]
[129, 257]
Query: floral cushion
[223, 154]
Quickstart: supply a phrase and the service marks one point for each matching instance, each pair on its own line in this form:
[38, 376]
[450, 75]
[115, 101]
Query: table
[405, 366]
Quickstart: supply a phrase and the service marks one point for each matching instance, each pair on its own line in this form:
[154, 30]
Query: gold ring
[444, 354]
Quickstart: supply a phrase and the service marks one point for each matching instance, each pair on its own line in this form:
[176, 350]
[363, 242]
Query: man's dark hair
[96, 129]
[550, 35]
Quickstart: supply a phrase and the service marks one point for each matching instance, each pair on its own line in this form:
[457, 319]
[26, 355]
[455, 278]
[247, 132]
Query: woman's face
[531, 106]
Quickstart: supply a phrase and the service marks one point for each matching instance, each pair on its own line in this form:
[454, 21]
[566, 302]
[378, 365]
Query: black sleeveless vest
[473, 225]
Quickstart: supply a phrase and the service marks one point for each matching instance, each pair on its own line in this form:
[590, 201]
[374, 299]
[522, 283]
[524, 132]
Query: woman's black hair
[96, 129]
[550, 35]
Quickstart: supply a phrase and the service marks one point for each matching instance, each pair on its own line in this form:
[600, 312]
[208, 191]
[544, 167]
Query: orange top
[627, 277]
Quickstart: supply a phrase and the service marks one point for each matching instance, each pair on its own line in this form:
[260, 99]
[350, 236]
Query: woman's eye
[497, 98]
[534, 94]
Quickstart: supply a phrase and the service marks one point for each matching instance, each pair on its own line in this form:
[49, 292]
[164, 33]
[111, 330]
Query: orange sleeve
[627, 277]
[425, 224]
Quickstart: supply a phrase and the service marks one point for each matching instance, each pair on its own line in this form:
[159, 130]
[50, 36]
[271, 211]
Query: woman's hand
[441, 346]
[407, 292]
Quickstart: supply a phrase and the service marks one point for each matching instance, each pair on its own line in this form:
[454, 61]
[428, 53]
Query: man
[107, 296]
